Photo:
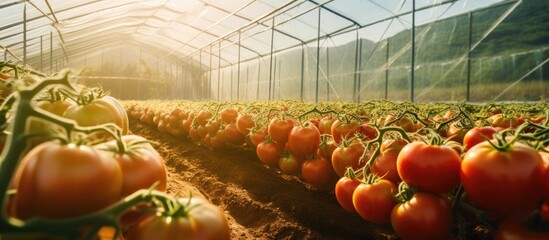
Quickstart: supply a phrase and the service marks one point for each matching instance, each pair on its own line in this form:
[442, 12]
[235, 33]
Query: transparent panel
[288, 73]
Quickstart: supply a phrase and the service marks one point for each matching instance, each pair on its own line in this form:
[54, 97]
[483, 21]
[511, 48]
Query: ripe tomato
[244, 123]
[429, 168]
[203, 116]
[347, 156]
[318, 172]
[456, 133]
[425, 216]
[404, 122]
[369, 131]
[213, 126]
[503, 180]
[326, 148]
[289, 164]
[303, 141]
[385, 166]
[477, 135]
[121, 111]
[201, 221]
[228, 115]
[279, 129]
[142, 166]
[269, 152]
[511, 228]
[342, 130]
[375, 202]
[344, 189]
[233, 135]
[95, 113]
[258, 135]
[61, 181]
[325, 124]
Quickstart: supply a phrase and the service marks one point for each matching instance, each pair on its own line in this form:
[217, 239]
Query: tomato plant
[344, 129]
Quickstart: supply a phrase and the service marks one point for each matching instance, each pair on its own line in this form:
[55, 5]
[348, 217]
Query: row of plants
[429, 170]
[70, 168]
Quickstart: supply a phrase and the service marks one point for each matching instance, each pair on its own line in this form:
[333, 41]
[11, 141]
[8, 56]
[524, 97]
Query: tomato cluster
[428, 172]
[71, 169]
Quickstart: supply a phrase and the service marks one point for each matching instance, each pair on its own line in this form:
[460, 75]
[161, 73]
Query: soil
[260, 202]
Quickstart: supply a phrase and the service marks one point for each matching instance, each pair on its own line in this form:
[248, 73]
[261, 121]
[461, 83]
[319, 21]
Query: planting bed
[260, 202]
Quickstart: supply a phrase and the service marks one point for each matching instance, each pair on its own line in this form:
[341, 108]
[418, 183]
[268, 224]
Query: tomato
[258, 135]
[303, 140]
[244, 123]
[425, 216]
[342, 130]
[344, 189]
[269, 152]
[374, 202]
[233, 135]
[347, 156]
[385, 166]
[201, 221]
[456, 133]
[369, 131]
[61, 181]
[478, 134]
[428, 167]
[318, 172]
[289, 164]
[405, 123]
[504, 122]
[95, 113]
[141, 165]
[279, 129]
[203, 116]
[228, 115]
[325, 124]
[326, 148]
[120, 109]
[503, 180]
[213, 126]
[56, 107]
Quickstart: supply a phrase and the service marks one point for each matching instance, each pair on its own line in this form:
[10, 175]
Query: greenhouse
[274, 119]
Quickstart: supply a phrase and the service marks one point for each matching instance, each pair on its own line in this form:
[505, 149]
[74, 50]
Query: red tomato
[318, 172]
[228, 115]
[386, 166]
[258, 135]
[503, 180]
[233, 135]
[429, 168]
[279, 129]
[342, 130]
[201, 221]
[289, 164]
[269, 152]
[60, 181]
[404, 122]
[325, 124]
[456, 133]
[347, 156]
[121, 111]
[244, 123]
[203, 116]
[477, 135]
[213, 126]
[375, 202]
[344, 189]
[425, 216]
[303, 140]
[326, 149]
[369, 131]
[141, 165]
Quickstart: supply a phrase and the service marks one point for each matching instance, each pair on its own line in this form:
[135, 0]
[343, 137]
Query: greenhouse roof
[178, 29]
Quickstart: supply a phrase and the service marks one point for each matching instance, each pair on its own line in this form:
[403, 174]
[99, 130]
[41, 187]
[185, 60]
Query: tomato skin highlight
[425, 216]
[374, 202]
[60, 181]
[429, 168]
[503, 181]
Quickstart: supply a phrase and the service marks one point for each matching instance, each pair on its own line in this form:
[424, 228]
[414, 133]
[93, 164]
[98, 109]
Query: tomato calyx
[405, 193]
